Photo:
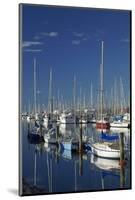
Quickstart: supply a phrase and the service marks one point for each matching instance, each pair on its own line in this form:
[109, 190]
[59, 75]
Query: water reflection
[49, 169]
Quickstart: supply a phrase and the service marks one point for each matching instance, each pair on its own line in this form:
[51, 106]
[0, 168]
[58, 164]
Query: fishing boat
[102, 123]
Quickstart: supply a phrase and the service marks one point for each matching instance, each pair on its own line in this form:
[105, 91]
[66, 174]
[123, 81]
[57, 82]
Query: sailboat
[102, 123]
[35, 135]
[122, 120]
[69, 117]
[106, 149]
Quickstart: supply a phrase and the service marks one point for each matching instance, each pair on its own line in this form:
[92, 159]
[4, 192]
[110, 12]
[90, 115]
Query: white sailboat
[106, 149]
[124, 121]
[102, 123]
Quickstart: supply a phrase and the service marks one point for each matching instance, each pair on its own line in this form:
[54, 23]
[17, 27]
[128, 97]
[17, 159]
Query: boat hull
[35, 138]
[119, 125]
[67, 121]
[102, 125]
[69, 146]
[114, 154]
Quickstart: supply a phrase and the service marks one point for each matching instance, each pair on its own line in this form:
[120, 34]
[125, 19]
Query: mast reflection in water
[50, 169]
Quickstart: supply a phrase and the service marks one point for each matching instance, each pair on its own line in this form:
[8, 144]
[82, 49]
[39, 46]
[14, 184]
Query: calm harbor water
[47, 169]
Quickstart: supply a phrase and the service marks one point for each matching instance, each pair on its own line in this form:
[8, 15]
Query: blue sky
[68, 41]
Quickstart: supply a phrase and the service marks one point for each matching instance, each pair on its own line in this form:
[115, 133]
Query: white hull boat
[106, 150]
[119, 124]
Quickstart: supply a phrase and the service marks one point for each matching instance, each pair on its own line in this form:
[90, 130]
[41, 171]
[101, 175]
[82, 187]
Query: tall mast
[58, 100]
[101, 79]
[35, 98]
[115, 97]
[50, 93]
[80, 101]
[84, 102]
[74, 94]
[91, 95]
[122, 97]
[29, 108]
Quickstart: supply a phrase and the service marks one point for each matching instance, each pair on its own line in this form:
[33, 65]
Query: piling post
[80, 152]
[122, 161]
[122, 147]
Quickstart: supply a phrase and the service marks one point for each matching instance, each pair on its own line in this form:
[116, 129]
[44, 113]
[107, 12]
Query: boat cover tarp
[106, 136]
